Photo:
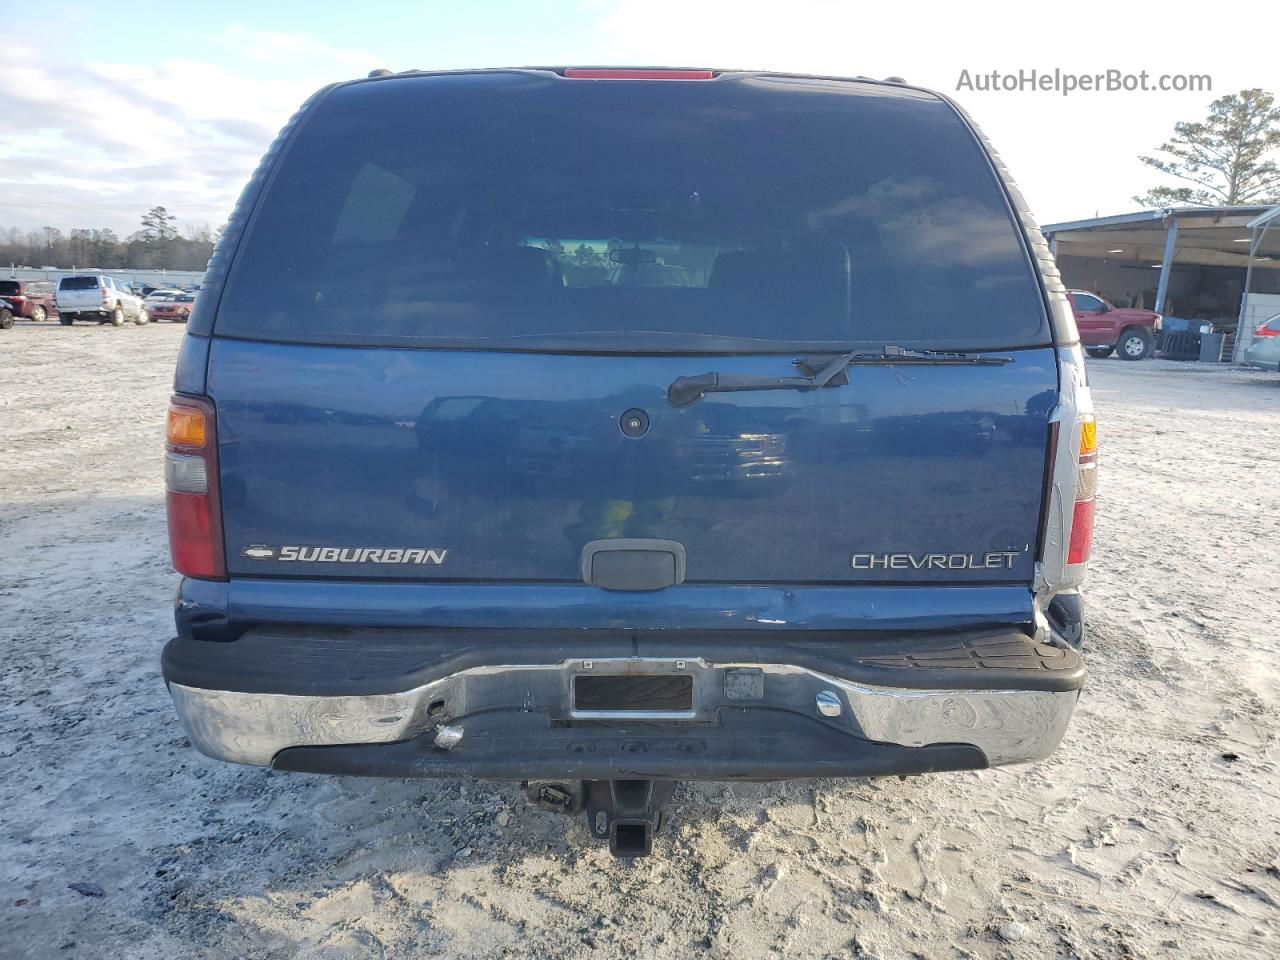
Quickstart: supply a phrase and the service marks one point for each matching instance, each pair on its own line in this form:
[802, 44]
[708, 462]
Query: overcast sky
[108, 110]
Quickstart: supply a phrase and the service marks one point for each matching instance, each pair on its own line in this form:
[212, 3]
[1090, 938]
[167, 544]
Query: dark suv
[32, 299]
[683, 432]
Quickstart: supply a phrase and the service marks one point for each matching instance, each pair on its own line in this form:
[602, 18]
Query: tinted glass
[9, 286]
[78, 283]
[1085, 303]
[484, 210]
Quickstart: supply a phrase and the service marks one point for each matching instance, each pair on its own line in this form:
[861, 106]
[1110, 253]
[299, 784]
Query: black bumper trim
[744, 745]
[358, 662]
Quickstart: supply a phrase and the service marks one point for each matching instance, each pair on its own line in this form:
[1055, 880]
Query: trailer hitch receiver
[627, 813]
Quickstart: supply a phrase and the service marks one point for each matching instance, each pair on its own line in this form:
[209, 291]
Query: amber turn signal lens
[185, 427]
[1088, 436]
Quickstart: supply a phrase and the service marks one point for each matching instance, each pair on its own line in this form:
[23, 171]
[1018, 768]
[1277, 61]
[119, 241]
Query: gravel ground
[1151, 833]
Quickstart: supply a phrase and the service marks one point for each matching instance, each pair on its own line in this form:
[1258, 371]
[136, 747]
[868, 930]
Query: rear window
[78, 283]
[9, 286]
[538, 212]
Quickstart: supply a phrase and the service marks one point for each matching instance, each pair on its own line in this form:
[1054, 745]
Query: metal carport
[1220, 264]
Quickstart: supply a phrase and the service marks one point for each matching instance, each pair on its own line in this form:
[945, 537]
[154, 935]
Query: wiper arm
[826, 373]
[684, 390]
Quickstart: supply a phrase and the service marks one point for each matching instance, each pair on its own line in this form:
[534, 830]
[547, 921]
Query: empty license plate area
[633, 694]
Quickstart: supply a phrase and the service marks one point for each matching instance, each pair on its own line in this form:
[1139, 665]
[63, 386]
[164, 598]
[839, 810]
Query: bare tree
[54, 244]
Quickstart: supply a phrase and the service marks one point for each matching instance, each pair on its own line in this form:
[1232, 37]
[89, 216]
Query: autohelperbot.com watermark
[1066, 82]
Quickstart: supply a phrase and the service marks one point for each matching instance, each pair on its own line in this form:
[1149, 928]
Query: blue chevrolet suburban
[597, 429]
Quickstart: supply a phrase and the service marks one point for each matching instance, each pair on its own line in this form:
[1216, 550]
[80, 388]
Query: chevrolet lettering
[935, 561]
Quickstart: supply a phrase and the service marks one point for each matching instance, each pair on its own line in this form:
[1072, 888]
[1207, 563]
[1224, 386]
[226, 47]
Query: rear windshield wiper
[821, 372]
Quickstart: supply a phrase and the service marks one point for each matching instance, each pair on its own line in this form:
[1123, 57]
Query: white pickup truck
[95, 296]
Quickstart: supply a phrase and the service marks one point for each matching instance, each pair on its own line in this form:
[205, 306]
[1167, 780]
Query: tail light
[1266, 330]
[191, 484]
[1086, 493]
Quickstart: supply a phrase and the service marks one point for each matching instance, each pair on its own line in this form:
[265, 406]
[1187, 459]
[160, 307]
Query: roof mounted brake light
[591, 73]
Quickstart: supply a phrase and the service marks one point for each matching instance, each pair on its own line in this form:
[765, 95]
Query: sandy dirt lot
[1153, 832]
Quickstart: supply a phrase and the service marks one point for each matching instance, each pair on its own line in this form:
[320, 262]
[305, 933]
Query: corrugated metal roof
[1183, 214]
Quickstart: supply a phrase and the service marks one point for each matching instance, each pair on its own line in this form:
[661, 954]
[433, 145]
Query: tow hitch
[627, 813]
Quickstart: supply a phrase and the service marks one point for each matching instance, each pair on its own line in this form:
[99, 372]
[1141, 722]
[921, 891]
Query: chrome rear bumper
[1006, 725]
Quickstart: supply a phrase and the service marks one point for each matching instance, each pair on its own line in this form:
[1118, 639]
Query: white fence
[186, 279]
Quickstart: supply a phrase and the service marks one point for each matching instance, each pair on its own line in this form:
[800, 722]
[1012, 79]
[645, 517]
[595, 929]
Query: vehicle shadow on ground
[445, 864]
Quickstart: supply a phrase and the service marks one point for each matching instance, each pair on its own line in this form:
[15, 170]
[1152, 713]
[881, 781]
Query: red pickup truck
[1103, 328]
[32, 299]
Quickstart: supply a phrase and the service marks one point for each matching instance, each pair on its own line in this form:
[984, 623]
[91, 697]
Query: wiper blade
[824, 372]
[894, 354]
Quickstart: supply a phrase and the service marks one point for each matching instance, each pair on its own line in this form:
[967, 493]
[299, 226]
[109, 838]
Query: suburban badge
[430, 556]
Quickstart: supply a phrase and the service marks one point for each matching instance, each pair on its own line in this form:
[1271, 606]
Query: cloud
[1073, 155]
[97, 144]
[267, 47]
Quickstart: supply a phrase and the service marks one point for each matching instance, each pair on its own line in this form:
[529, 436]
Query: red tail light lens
[191, 484]
[1267, 330]
[1086, 493]
[1081, 532]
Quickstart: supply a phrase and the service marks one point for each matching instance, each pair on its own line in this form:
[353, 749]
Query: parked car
[159, 294]
[782, 513]
[1103, 328]
[175, 307]
[1264, 352]
[6, 315]
[99, 297]
[32, 299]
